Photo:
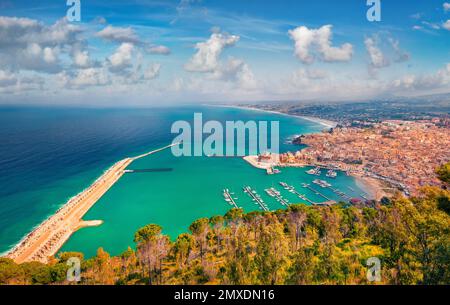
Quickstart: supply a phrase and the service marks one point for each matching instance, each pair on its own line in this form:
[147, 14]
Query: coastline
[323, 122]
[373, 187]
[48, 237]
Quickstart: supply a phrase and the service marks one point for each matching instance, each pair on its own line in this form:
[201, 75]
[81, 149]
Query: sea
[50, 154]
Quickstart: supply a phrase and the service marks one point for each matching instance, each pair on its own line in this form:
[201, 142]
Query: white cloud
[446, 6]
[401, 55]
[27, 44]
[236, 72]
[162, 50]
[119, 34]
[81, 59]
[440, 78]
[152, 71]
[7, 79]
[85, 78]
[312, 42]
[122, 58]
[446, 25]
[377, 58]
[306, 79]
[431, 25]
[207, 57]
[382, 58]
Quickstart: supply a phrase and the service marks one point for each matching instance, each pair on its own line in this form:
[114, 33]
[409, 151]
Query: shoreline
[50, 235]
[323, 122]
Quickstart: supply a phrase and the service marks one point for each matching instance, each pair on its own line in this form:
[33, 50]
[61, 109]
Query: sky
[158, 52]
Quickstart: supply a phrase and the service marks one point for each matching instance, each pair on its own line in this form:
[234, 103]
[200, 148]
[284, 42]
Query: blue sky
[155, 52]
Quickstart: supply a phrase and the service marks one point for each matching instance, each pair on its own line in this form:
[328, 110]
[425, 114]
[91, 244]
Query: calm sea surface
[48, 155]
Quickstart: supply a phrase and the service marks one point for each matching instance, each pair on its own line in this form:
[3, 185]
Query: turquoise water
[49, 155]
[192, 190]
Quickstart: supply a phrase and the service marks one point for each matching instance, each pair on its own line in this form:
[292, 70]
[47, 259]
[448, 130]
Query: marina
[256, 198]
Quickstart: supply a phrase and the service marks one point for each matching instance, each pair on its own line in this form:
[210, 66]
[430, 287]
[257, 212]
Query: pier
[277, 195]
[149, 170]
[340, 193]
[47, 238]
[255, 197]
[228, 198]
[294, 191]
[305, 185]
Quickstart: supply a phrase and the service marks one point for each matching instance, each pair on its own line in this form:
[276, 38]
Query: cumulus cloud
[446, 25]
[27, 44]
[446, 6]
[81, 58]
[119, 34]
[206, 59]
[122, 58]
[317, 43]
[440, 78]
[85, 78]
[377, 58]
[234, 71]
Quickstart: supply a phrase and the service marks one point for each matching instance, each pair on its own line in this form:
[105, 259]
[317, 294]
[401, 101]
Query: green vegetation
[300, 245]
[444, 173]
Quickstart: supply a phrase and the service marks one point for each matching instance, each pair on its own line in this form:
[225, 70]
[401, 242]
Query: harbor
[256, 198]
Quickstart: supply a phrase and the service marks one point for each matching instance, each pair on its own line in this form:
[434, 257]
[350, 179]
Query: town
[404, 154]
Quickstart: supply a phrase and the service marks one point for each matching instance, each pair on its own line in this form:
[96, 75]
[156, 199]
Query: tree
[271, 257]
[9, 271]
[182, 248]
[297, 217]
[443, 173]
[200, 229]
[152, 248]
[147, 233]
[217, 223]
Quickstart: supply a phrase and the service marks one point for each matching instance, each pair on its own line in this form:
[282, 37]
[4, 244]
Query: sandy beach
[46, 239]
